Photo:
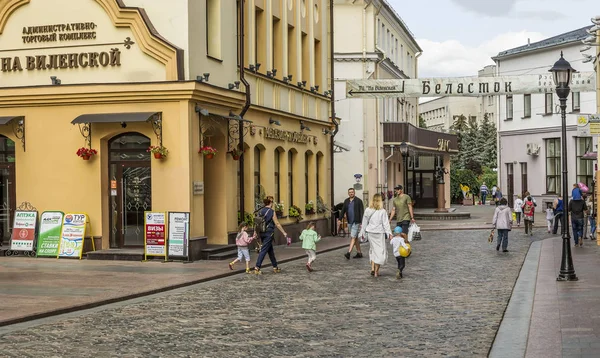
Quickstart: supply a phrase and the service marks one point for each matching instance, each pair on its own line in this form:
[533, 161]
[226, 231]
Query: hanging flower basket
[208, 151]
[86, 153]
[159, 152]
[236, 154]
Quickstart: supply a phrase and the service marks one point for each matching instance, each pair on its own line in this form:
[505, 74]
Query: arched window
[319, 174]
[306, 176]
[291, 177]
[277, 168]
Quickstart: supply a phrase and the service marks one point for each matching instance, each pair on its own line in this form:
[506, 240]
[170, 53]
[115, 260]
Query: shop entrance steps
[133, 254]
[219, 252]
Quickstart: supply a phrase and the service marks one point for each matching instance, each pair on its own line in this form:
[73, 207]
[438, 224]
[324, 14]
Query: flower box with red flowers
[86, 153]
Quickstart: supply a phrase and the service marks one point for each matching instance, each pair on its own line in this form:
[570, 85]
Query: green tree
[460, 124]
[422, 123]
[487, 142]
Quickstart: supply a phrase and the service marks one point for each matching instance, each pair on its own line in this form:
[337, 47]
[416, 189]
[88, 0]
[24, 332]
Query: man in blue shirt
[484, 191]
[353, 209]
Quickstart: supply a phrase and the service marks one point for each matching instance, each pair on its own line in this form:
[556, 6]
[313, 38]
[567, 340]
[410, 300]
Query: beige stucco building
[373, 42]
[119, 76]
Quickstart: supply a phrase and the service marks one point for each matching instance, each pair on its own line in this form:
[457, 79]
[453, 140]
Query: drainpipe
[335, 123]
[242, 30]
[391, 154]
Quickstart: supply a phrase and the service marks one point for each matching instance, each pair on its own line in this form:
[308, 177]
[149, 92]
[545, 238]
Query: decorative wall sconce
[304, 126]
[274, 121]
[203, 78]
[55, 80]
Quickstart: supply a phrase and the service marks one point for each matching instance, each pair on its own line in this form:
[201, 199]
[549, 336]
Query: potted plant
[321, 207]
[236, 153]
[208, 151]
[295, 212]
[86, 153]
[159, 152]
[278, 207]
[309, 208]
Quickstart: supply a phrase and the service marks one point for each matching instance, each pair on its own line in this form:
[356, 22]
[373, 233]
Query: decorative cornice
[570, 128]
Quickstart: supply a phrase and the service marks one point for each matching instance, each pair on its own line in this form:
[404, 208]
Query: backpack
[527, 208]
[260, 221]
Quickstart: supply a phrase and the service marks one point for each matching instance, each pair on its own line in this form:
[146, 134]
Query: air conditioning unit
[533, 149]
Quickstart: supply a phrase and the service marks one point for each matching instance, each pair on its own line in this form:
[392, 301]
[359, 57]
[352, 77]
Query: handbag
[491, 237]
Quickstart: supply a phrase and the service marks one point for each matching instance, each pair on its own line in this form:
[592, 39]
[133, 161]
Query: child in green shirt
[309, 238]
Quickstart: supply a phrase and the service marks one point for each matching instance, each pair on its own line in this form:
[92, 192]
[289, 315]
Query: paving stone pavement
[450, 303]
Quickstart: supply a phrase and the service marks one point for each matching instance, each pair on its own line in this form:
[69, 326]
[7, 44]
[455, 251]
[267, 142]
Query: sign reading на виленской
[80, 31]
[465, 86]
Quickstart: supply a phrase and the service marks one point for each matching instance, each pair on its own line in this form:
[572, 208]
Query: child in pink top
[242, 241]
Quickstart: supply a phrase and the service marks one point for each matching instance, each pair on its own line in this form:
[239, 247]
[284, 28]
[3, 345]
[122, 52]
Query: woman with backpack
[528, 211]
[265, 223]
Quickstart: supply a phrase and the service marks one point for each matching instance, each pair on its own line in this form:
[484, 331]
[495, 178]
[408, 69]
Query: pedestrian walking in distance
[399, 240]
[309, 238]
[528, 212]
[353, 209]
[402, 209]
[242, 241]
[376, 226]
[549, 216]
[518, 209]
[502, 223]
[577, 208]
[484, 192]
[559, 209]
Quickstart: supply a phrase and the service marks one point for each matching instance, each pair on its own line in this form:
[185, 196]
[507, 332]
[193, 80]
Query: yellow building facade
[120, 76]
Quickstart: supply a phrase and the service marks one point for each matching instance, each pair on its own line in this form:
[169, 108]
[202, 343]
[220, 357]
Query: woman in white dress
[376, 226]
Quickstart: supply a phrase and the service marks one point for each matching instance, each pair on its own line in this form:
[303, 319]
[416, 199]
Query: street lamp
[562, 71]
[404, 152]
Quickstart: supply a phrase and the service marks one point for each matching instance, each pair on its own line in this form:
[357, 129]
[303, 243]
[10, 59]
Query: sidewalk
[32, 288]
[546, 318]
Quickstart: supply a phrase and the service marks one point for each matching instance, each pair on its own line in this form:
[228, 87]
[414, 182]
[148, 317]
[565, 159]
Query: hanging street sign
[588, 125]
[465, 86]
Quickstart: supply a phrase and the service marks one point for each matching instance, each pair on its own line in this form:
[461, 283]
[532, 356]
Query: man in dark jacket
[577, 208]
[353, 210]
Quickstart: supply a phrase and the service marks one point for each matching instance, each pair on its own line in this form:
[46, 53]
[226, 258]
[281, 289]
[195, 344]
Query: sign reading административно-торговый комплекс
[465, 86]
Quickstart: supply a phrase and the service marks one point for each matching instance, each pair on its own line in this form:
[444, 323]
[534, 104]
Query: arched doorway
[130, 188]
[7, 187]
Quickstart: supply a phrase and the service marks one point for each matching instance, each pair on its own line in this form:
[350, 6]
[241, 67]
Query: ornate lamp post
[562, 71]
[404, 152]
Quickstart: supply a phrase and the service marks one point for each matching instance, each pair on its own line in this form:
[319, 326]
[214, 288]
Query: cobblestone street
[450, 303]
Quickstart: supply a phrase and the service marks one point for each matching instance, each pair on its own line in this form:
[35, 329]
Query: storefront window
[7, 150]
[277, 167]
[257, 176]
[553, 165]
[585, 167]
[291, 178]
[7, 186]
[306, 161]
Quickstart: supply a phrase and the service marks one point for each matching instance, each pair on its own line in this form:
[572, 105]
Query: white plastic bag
[412, 230]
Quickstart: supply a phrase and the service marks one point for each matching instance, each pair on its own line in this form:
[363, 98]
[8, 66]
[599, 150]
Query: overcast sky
[458, 37]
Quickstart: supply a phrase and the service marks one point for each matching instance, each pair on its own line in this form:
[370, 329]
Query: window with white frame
[509, 107]
[576, 101]
[526, 105]
[549, 103]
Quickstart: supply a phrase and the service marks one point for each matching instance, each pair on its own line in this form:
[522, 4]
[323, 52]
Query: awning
[6, 120]
[114, 117]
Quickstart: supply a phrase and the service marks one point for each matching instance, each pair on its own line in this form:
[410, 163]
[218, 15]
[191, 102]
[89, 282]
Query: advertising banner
[72, 234]
[466, 86]
[155, 234]
[24, 229]
[179, 234]
[49, 237]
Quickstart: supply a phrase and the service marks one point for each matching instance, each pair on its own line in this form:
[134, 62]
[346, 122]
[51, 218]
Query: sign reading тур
[72, 234]
[49, 237]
